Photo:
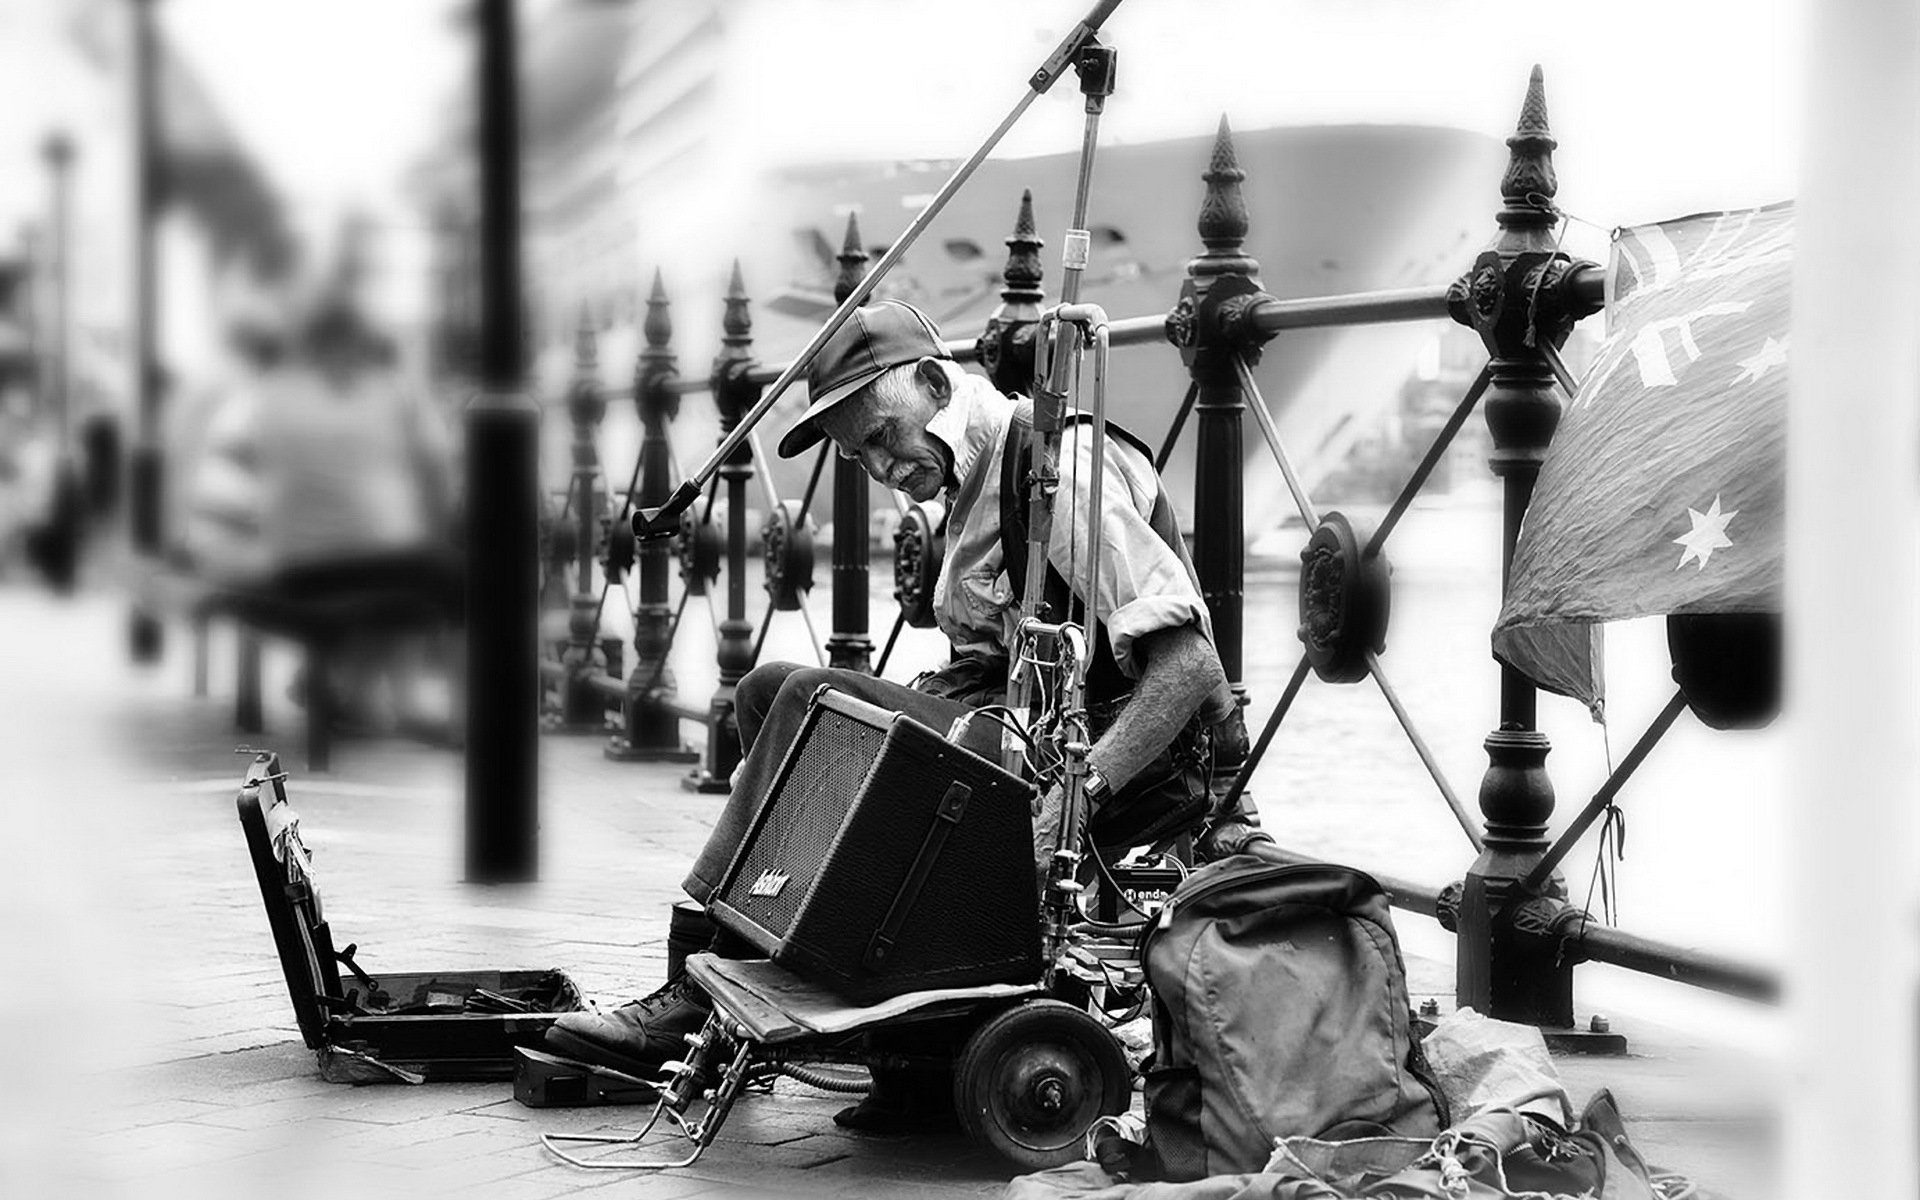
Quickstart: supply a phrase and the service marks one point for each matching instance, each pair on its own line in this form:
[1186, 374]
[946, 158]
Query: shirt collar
[973, 420]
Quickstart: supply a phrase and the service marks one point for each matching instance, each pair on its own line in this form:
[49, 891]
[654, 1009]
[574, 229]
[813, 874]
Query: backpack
[1279, 1010]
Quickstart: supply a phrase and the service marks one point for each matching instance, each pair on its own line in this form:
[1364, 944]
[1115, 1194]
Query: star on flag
[1772, 354]
[1709, 533]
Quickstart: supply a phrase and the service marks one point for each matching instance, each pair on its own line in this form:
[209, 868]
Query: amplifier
[886, 859]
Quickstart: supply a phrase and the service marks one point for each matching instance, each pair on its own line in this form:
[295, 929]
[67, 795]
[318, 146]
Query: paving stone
[228, 1101]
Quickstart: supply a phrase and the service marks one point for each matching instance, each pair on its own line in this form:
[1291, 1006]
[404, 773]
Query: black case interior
[439, 1024]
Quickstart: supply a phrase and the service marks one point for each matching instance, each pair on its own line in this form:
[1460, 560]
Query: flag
[1663, 490]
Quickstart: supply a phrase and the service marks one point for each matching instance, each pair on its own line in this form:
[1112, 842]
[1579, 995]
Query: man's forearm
[1180, 671]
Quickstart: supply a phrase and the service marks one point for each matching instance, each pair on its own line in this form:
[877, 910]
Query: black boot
[903, 1100]
[638, 1036]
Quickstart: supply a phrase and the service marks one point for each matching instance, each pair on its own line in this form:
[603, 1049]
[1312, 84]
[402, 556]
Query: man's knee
[773, 683]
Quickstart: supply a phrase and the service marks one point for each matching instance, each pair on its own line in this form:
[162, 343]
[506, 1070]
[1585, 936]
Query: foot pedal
[542, 1080]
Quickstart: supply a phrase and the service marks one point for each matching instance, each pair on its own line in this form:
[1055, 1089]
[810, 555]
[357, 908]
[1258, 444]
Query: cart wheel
[1031, 1081]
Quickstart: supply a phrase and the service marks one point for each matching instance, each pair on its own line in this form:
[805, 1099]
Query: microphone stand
[1062, 651]
[663, 521]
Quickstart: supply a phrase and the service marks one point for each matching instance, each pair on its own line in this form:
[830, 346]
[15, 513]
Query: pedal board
[542, 1080]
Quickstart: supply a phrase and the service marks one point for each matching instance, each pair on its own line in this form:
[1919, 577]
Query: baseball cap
[871, 340]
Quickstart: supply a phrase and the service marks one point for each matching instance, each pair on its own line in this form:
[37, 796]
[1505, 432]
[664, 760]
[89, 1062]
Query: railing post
[1516, 294]
[733, 393]
[1211, 324]
[849, 646]
[582, 709]
[1006, 344]
[652, 729]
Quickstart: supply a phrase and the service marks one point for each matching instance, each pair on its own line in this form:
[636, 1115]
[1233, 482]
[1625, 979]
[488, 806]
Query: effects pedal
[542, 1080]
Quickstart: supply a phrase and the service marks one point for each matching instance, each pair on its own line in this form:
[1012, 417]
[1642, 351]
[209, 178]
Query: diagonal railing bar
[713, 494]
[1418, 479]
[760, 636]
[1426, 754]
[1603, 799]
[899, 623]
[1173, 431]
[761, 470]
[773, 505]
[1568, 383]
[813, 482]
[1272, 727]
[813, 635]
[1261, 417]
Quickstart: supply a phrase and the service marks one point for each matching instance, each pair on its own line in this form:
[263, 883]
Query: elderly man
[886, 392]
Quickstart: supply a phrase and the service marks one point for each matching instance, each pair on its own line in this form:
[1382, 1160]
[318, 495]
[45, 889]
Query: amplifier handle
[952, 806]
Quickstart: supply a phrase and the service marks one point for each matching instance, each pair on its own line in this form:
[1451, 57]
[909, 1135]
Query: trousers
[770, 703]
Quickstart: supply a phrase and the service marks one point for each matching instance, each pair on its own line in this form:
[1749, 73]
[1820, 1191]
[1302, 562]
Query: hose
[826, 1081]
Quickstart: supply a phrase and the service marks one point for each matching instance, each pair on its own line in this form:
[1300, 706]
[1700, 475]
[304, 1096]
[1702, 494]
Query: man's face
[891, 442]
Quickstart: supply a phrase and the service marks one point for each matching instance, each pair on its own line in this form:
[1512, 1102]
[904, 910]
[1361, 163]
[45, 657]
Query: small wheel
[1032, 1080]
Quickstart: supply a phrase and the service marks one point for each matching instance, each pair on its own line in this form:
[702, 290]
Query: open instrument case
[414, 1026]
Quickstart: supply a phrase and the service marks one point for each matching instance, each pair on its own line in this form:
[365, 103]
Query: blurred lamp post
[502, 505]
[144, 464]
[60, 558]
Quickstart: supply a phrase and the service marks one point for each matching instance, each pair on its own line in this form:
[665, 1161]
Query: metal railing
[1518, 940]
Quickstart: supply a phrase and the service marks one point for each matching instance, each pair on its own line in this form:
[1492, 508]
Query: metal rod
[1419, 478]
[1041, 80]
[1413, 897]
[813, 635]
[760, 638]
[1596, 943]
[762, 466]
[813, 481]
[1682, 964]
[1358, 308]
[899, 623]
[1603, 798]
[1568, 383]
[1420, 748]
[1097, 488]
[1173, 431]
[1264, 419]
[1272, 727]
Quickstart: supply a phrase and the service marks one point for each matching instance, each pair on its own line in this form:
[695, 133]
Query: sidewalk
[148, 1030]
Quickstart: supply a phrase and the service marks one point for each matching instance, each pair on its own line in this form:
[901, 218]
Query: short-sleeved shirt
[1145, 584]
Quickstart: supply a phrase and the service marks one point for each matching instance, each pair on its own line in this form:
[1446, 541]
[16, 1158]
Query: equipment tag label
[769, 884]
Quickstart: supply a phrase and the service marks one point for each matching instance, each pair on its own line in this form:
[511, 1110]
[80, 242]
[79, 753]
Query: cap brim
[806, 431]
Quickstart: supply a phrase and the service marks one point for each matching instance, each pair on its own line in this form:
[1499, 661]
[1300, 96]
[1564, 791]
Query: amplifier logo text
[769, 884]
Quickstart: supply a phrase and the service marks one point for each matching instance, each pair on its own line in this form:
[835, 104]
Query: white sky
[1661, 106]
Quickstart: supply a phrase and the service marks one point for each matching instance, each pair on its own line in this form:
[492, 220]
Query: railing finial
[1529, 185]
[658, 325]
[1223, 213]
[852, 259]
[1024, 270]
[737, 323]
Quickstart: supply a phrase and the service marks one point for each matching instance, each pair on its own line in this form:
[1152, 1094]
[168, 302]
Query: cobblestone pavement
[149, 1041]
